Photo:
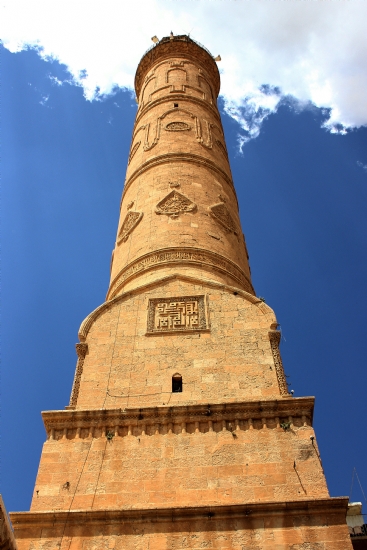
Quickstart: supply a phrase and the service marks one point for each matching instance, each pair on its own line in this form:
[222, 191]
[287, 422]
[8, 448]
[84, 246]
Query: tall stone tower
[180, 431]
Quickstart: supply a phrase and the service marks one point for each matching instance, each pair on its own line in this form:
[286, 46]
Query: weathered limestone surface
[229, 462]
[232, 359]
[302, 525]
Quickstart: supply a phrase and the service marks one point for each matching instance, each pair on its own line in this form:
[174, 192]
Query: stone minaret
[180, 432]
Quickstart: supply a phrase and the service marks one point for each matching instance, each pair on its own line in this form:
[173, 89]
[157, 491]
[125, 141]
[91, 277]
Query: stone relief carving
[130, 222]
[148, 146]
[149, 75]
[185, 313]
[221, 147]
[173, 184]
[168, 256]
[175, 204]
[174, 126]
[179, 69]
[177, 126]
[221, 214]
[130, 205]
[274, 337]
[81, 351]
[147, 81]
[133, 151]
[200, 57]
[209, 141]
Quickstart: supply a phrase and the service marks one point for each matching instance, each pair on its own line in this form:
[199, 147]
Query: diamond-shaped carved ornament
[130, 222]
[174, 204]
[221, 214]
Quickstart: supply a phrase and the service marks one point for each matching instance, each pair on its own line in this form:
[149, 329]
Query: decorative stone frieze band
[274, 337]
[295, 413]
[180, 256]
[81, 350]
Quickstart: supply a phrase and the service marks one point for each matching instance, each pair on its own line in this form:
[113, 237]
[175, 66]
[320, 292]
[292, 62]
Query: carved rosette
[130, 222]
[274, 337]
[174, 204]
[221, 215]
[81, 351]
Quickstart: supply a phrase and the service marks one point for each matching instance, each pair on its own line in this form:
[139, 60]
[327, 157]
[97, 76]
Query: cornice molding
[178, 157]
[333, 506]
[254, 410]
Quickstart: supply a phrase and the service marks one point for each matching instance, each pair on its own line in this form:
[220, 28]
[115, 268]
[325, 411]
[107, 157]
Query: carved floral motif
[81, 350]
[274, 337]
[177, 126]
[130, 222]
[174, 204]
[221, 214]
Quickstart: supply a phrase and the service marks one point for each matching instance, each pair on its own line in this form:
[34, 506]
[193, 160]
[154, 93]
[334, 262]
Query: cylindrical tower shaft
[179, 206]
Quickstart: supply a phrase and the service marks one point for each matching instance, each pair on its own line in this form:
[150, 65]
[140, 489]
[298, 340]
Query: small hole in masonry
[235, 293]
[175, 104]
[176, 383]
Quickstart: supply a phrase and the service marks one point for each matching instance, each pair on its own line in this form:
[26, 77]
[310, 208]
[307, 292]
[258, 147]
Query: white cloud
[361, 165]
[312, 50]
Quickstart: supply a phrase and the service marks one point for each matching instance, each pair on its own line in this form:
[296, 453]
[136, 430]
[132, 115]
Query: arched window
[176, 383]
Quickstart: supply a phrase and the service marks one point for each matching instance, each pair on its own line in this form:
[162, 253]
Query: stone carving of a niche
[210, 134]
[176, 75]
[184, 120]
[204, 84]
[148, 88]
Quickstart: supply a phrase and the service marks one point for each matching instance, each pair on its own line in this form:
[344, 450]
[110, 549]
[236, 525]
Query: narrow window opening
[176, 383]
[175, 104]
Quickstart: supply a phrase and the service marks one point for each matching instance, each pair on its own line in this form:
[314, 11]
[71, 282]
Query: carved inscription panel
[183, 313]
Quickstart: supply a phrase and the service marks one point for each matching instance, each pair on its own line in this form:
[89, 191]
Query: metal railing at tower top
[178, 37]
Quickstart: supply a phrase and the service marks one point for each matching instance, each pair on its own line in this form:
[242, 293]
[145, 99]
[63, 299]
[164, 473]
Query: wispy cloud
[361, 165]
[312, 51]
[44, 99]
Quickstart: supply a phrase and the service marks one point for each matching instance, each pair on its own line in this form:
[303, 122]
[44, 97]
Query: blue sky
[301, 180]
